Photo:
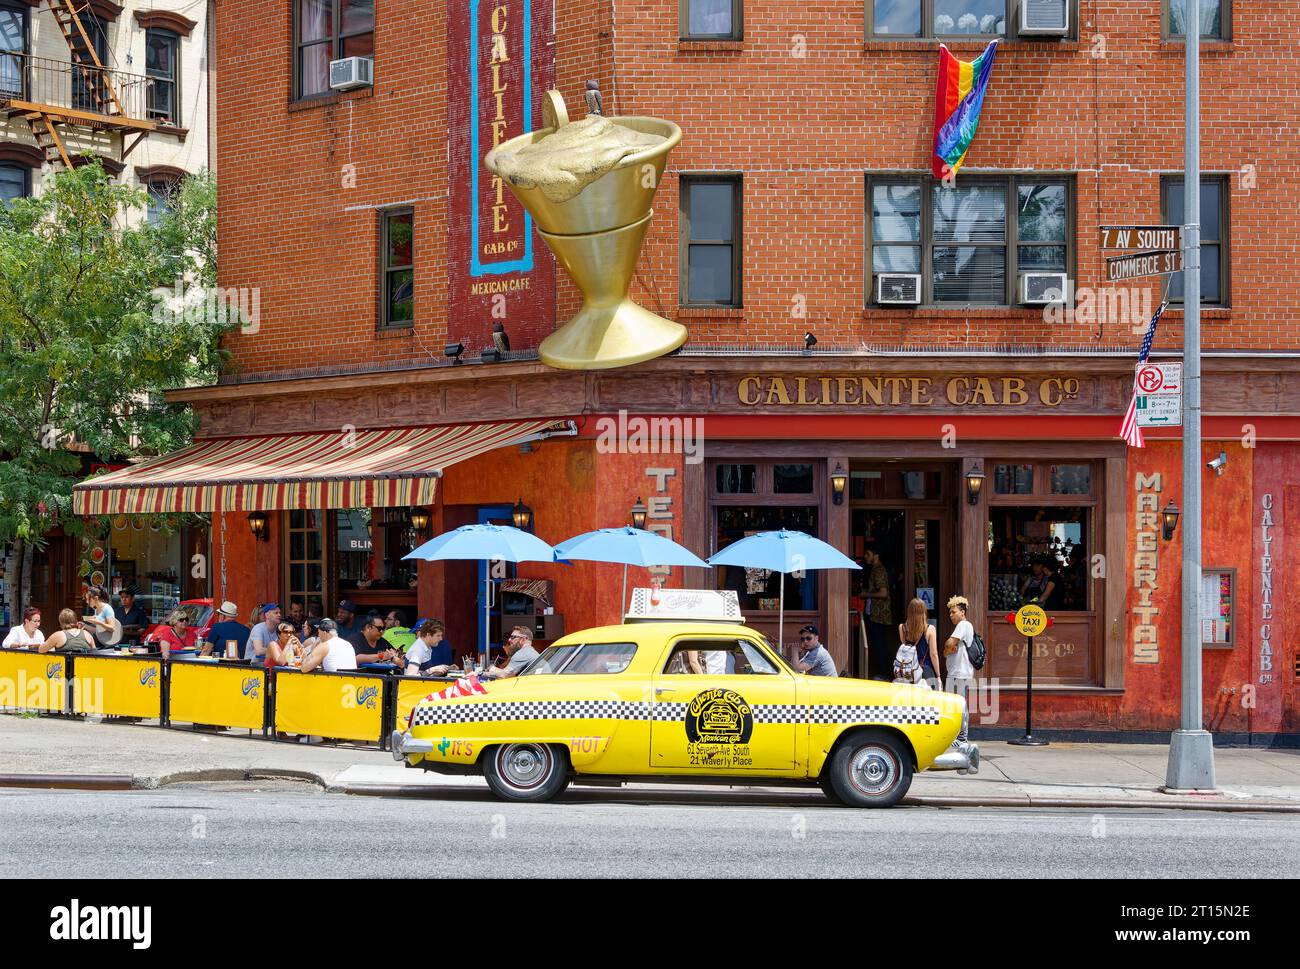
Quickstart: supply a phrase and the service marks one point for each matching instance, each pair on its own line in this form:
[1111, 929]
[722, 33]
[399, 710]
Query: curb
[232, 774]
[1029, 800]
[70, 782]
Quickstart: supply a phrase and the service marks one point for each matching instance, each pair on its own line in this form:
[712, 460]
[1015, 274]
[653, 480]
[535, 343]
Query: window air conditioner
[1044, 18]
[898, 289]
[1039, 289]
[352, 72]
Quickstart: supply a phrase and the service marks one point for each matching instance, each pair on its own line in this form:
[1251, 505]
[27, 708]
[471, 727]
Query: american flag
[1129, 429]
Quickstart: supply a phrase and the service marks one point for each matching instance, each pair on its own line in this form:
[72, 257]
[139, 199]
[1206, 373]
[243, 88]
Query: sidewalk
[1061, 775]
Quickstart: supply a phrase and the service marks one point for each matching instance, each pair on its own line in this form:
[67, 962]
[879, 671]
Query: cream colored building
[128, 83]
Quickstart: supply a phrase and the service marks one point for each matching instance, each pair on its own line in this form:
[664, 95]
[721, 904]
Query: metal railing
[61, 84]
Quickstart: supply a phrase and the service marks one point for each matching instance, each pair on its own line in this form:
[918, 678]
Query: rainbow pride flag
[958, 99]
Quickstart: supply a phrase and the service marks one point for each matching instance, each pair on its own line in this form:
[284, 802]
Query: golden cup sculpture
[590, 192]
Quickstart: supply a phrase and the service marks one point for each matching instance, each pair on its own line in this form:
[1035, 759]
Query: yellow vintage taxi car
[611, 704]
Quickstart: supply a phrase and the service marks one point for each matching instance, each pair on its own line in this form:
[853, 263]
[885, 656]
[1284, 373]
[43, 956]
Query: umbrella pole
[487, 612]
[622, 602]
[780, 623]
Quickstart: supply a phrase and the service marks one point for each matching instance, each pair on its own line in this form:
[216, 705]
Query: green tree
[89, 337]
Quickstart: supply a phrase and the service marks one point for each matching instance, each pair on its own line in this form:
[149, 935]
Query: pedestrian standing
[919, 632]
[879, 614]
[961, 672]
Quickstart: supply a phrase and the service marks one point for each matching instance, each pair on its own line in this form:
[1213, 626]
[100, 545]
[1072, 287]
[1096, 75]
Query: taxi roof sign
[702, 605]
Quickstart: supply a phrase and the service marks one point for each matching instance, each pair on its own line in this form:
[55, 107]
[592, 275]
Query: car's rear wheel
[870, 769]
[526, 772]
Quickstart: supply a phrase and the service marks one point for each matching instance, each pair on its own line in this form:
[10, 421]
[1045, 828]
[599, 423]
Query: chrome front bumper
[404, 744]
[964, 758]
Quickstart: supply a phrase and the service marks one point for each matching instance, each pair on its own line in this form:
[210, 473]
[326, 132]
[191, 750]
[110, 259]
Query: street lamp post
[1191, 749]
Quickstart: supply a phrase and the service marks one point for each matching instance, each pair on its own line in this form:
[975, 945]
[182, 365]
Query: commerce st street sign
[1138, 264]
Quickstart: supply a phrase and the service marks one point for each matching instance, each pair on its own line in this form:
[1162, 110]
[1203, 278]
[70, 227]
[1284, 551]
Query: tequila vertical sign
[500, 60]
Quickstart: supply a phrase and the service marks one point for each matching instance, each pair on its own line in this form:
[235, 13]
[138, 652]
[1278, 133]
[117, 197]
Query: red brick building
[805, 157]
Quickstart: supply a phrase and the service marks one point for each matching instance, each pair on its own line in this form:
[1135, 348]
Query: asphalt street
[286, 829]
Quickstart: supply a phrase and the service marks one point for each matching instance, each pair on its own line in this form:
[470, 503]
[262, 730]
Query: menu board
[1217, 594]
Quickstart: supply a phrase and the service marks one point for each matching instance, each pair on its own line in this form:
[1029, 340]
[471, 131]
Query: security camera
[1219, 463]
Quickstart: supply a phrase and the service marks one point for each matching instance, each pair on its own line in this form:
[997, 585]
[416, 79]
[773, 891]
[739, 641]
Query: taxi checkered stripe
[435, 713]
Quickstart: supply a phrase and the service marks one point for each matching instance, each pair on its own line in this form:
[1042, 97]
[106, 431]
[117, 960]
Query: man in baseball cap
[228, 636]
[346, 617]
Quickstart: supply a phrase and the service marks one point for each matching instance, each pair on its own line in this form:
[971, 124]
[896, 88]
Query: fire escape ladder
[99, 89]
[46, 133]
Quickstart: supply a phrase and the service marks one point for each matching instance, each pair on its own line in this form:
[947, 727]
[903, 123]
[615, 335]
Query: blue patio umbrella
[484, 543]
[627, 546]
[783, 551]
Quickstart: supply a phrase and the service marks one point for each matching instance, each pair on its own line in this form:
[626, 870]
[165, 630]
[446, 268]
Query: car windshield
[552, 660]
[776, 653]
[198, 614]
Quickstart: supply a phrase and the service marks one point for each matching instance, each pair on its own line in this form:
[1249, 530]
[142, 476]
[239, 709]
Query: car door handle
[661, 691]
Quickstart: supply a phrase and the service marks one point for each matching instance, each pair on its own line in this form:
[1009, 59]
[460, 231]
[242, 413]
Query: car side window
[718, 657]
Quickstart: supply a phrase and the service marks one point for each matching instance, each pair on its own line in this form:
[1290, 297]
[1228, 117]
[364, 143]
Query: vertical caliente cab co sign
[500, 59]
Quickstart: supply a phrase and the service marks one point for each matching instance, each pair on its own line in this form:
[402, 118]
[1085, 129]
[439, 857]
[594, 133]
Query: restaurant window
[710, 256]
[895, 483]
[397, 269]
[710, 19]
[970, 241]
[763, 496]
[1214, 234]
[305, 560]
[901, 19]
[326, 30]
[1040, 554]
[736, 479]
[161, 57]
[15, 182]
[792, 479]
[1013, 479]
[370, 545]
[1216, 19]
[145, 554]
[13, 45]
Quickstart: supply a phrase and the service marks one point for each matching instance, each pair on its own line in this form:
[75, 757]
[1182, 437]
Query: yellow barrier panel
[411, 691]
[343, 705]
[118, 686]
[228, 696]
[32, 681]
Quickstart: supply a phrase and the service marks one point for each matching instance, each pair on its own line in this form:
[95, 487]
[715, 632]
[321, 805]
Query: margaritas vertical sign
[500, 60]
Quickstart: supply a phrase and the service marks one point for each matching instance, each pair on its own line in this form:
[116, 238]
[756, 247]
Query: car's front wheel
[526, 772]
[870, 769]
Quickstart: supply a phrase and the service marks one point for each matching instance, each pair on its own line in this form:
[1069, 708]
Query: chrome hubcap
[524, 766]
[873, 770]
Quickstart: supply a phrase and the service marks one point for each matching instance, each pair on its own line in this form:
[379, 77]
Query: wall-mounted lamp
[639, 512]
[419, 519]
[523, 516]
[974, 485]
[257, 525]
[839, 481]
[1169, 520]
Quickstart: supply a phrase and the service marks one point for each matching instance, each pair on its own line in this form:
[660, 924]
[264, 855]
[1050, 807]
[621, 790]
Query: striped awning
[352, 469]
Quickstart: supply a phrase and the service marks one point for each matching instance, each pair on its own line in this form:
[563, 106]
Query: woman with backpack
[961, 671]
[917, 660]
